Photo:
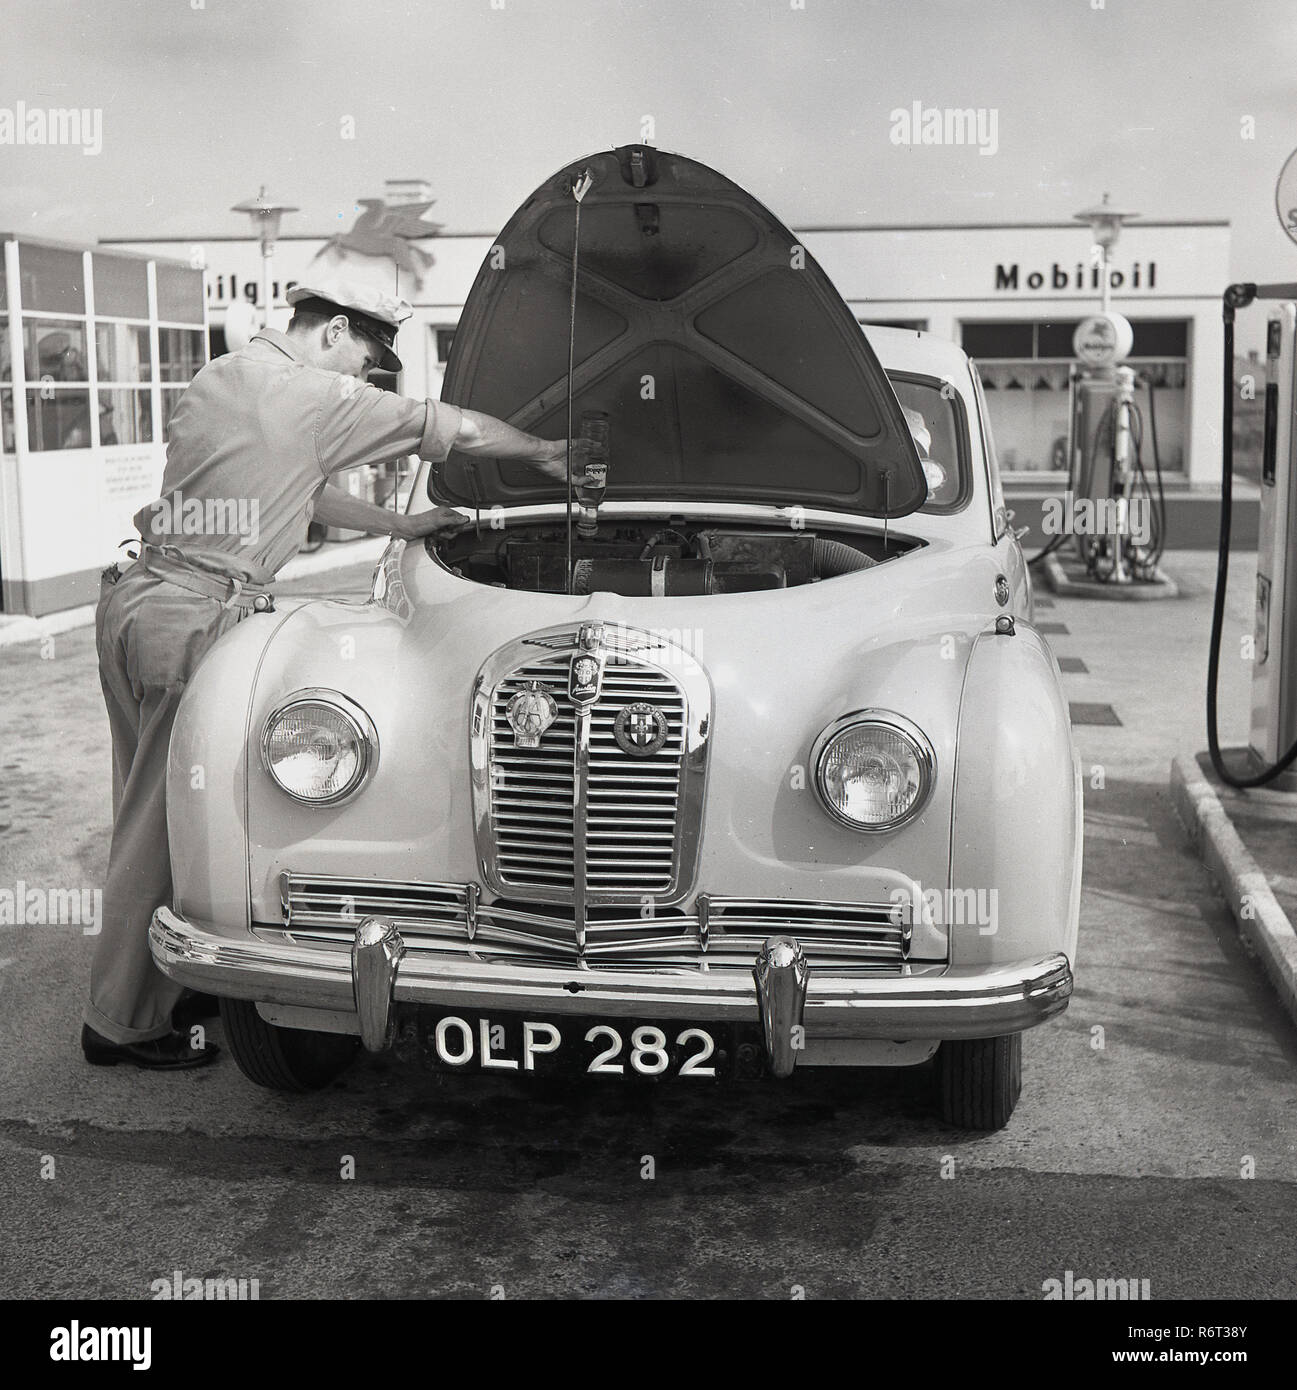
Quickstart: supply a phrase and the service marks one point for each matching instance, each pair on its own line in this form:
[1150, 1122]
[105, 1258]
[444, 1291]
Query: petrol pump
[1272, 738]
[1104, 429]
[1123, 536]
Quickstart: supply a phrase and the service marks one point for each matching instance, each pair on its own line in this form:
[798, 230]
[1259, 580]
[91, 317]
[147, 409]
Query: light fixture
[266, 216]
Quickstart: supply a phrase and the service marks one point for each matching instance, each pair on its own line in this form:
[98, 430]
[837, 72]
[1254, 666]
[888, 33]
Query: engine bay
[650, 558]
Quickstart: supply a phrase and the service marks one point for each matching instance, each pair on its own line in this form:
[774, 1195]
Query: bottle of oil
[591, 488]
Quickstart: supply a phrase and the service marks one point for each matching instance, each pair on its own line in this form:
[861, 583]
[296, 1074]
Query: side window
[939, 427]
[999, 512]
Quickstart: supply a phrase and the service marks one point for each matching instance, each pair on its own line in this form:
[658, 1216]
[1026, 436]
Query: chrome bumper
[376, 972]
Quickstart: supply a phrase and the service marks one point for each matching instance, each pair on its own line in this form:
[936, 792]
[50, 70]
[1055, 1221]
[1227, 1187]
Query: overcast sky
[203, 100]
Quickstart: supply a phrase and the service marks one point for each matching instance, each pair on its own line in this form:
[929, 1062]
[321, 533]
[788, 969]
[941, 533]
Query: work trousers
[150, 636]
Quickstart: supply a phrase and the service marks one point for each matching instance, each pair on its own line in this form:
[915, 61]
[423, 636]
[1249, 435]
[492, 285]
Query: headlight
[873, 769]
[319, 747]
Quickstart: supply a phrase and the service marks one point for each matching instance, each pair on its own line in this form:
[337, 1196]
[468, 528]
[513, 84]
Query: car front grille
[632, 802]
[584, 817]
[719, 933]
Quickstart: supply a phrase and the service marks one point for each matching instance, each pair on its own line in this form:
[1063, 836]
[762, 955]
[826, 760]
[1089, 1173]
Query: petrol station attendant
[251, 447]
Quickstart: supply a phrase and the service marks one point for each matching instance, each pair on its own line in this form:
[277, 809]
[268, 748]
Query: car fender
[207, 774]
[1016, 830]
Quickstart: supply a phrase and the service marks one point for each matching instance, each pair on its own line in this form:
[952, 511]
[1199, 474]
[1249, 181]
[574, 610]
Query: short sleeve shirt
[255, 438]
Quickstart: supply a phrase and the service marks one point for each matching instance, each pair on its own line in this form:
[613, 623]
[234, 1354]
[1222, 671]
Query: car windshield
[939, 431]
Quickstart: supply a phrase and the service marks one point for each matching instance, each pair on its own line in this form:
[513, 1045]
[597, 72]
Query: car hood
[729, 366]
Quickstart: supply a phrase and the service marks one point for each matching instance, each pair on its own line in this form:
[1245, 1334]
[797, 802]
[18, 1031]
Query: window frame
[963, 442]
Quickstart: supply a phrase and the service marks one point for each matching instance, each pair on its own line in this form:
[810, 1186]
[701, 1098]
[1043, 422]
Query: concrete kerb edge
[1262, 922]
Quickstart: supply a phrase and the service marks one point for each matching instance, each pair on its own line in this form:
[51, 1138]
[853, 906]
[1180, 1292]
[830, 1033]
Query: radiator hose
[832, 558]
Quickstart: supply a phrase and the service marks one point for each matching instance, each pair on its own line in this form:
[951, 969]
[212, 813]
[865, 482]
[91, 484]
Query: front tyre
[283, 1059]
[978, 1081]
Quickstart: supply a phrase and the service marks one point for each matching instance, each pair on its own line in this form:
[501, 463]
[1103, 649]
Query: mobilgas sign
[1080, 277]
[228, 289]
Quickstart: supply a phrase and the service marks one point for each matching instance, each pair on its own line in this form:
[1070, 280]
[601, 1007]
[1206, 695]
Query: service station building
[121, 326]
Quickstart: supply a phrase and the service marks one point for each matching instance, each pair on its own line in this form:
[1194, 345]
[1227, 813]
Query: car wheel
[979, 1081]
[283, 1059]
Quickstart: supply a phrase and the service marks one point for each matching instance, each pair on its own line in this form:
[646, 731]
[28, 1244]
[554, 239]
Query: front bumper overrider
[377, 972]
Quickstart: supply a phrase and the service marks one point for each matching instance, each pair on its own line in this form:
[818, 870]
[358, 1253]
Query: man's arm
[484, 434]
[335, 506]
[361, 424]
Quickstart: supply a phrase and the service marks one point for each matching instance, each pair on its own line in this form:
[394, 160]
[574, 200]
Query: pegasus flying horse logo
[387, 232]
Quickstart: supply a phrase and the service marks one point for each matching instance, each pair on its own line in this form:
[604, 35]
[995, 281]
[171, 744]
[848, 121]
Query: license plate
[512, 1044]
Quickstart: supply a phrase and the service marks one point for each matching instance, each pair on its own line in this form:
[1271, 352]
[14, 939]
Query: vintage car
[748, 759]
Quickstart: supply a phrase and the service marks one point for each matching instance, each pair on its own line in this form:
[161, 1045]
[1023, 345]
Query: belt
[166, 563]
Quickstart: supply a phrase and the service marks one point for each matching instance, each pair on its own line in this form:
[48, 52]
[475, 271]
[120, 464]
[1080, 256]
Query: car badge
[640, 729]
[585, 678]
[531, 711]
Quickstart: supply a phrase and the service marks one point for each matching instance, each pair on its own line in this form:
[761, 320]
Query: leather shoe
[171, 1052]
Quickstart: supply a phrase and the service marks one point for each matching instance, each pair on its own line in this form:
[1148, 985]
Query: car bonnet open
[729, 366]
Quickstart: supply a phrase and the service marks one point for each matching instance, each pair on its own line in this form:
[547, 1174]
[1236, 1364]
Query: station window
[54, 350]
[180, 294]
[6, 393]
[52, 279]
[986, 341]
[445, 337]
[180, 354]
[123, 359]
[122, 353]
[58, 417]
[125, 416]
[121, 287]
[1025, 367]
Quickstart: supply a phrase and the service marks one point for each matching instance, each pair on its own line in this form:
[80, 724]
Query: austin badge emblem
[531, 711]
[583, 683]
[640, 729]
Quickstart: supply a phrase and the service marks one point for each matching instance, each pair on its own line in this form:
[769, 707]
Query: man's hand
[442, 522]
[554, 463]
[484, 434]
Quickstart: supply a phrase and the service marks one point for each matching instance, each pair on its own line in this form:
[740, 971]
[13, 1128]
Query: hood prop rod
[887, 505]
[580, 187]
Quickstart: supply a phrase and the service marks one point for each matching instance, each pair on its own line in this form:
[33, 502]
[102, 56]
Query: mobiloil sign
[1083, 277]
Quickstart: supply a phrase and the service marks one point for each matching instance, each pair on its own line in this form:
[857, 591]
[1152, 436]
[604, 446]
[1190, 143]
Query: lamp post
[265, 221]
[1105, 227]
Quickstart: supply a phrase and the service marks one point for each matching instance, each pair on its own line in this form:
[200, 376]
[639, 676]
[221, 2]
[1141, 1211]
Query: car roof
[909, 350]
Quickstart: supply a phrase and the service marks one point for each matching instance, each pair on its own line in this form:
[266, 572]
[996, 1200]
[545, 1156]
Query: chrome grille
[632, 828]
[632, 802]
[532, 788]
[720, 933]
